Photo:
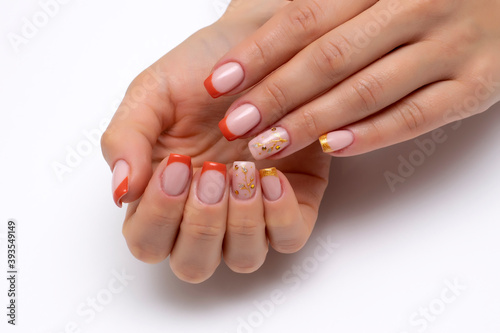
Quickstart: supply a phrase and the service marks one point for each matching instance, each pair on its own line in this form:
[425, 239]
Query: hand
[166, 110]
[360, 75]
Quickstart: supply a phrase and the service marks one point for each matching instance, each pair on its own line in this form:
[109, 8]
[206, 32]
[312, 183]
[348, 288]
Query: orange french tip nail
[226, 132]
[214, 166]
[120, 191]
[179, 158]
[211, 89]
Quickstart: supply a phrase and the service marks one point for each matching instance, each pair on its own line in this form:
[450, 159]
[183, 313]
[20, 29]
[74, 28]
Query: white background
[397, 251]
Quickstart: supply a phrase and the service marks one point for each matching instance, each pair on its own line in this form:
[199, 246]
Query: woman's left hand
[360, 75]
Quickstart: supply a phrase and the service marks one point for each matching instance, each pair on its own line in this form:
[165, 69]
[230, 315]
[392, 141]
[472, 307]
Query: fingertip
[210, 87]
[225, 130]
[120, 181]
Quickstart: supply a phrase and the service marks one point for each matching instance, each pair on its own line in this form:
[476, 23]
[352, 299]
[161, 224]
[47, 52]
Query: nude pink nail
[271, 184]
[224, 79]
[239, 122]
[336, 140]
[212, 183]
[176, 174]
[243, 182]
[269, 143]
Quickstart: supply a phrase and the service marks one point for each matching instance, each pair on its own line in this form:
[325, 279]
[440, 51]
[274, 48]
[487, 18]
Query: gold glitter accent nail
[276, 143]
[248, 185]
[323, 140]
[268, 172]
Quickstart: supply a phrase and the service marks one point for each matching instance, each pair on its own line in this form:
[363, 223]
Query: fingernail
[121, 172]
[336, 140]
[239, 122]
[224, 79]
[243, 183]
[212, 182]
[271, 184]
[176, 174]
[269, 143]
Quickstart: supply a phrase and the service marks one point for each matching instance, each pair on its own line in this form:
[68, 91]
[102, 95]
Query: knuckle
[305, 18]
[203, 231]
[433, 8]
[277, 99]
[410, 115]
[245, 227]
[367, 89]
[160, 218]
[311, 125]
[331, 57]
[287, 236]
[376, 130]
[288, 245]
[260, 54]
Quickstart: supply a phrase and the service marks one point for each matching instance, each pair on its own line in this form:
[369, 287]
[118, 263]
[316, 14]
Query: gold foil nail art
[276, 143]
[248, 185]
[268, 172]
[323, 140]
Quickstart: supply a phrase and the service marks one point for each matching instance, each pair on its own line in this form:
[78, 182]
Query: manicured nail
[212, 182]
[176, 174]
[121, 172]
[336, 140]
[224, 79]
[271, 184]
[269, 143]
[239, 122]
[243, 183]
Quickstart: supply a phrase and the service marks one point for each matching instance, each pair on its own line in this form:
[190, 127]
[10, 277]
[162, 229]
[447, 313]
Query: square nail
[271, 184]
[212, 183]
[239, 121]
[175, 177]
[269, 143]
[243, 181]
[224, 79]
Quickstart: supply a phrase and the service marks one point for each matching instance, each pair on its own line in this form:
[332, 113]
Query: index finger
[278, 40]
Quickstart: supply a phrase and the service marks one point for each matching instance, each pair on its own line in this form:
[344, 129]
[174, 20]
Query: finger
[288, 228]
[245, 243]
[151, 229]
[127, 143]
[423, 111]
[286, 33]
[198, 248]
[317, 68]
[368, 91]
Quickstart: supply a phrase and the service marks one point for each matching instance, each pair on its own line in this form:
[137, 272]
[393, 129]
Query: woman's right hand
[167, 111]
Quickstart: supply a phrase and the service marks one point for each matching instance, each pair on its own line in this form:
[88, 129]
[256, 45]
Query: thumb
[127, 144]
